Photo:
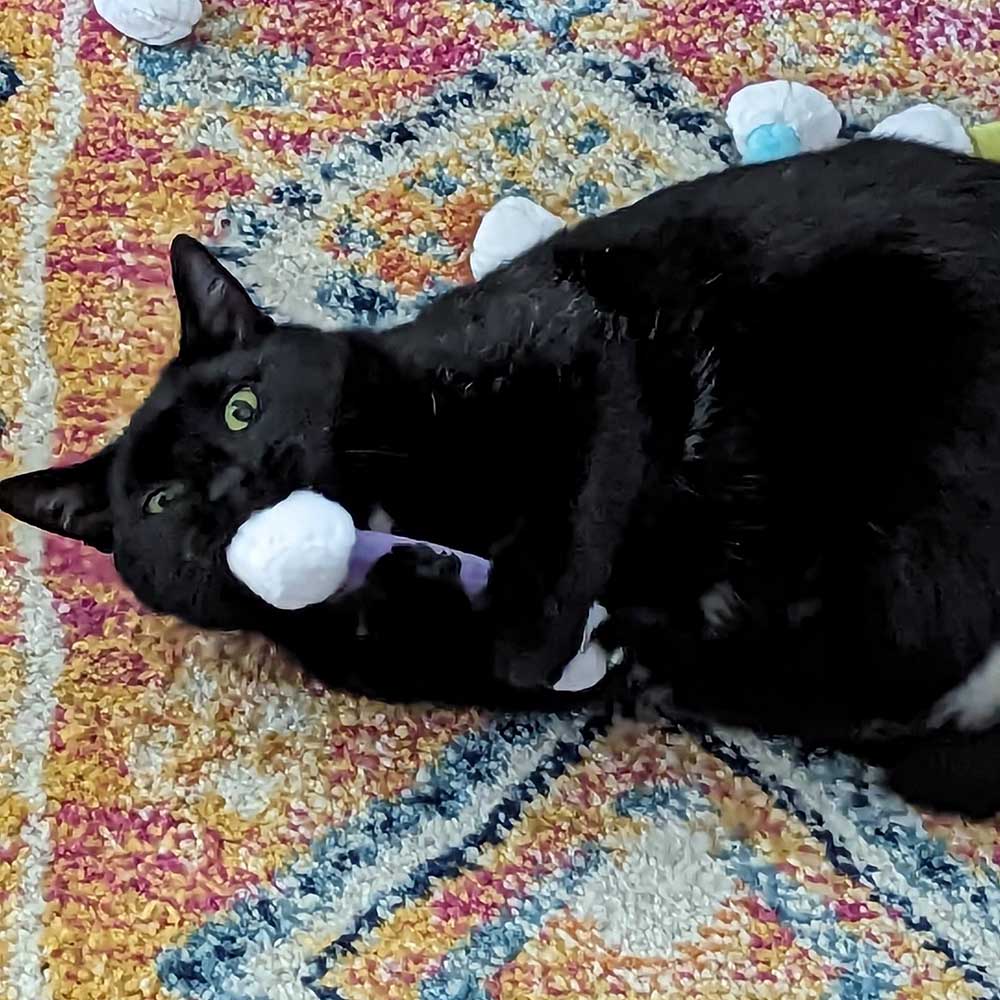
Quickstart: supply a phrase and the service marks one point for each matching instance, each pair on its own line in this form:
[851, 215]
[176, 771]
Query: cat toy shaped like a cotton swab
[305, 550]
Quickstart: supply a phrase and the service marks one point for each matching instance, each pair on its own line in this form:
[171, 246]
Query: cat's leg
[662, 645]
[780, 679]
[886, 630]
[410, 634]
[546, 578]
[787, 685]
[951, 772]
[396, 637]
[929, 599]
[417, 636]
[673, 666]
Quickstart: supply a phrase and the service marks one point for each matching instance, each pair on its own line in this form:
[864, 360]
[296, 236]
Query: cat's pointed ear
[216, 312]
[71, 500]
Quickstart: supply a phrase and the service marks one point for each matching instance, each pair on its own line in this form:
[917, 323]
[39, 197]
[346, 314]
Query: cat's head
[244, 415]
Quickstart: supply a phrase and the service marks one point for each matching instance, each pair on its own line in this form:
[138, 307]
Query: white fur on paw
[585, 669]
[595, 616]
[975, 703]
[592, 662]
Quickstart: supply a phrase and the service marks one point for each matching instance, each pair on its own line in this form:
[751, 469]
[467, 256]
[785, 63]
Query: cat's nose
[226, 482]
[285, 461]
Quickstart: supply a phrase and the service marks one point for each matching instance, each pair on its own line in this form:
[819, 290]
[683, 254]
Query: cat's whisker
[374, 453]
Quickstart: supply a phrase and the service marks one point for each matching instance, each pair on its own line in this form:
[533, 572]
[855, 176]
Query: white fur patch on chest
[975, 703]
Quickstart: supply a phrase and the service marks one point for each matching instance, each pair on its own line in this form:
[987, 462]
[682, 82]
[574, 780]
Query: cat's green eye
[241, 409]
[158, 501]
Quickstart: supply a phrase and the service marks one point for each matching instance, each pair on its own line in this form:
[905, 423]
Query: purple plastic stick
[372, 545]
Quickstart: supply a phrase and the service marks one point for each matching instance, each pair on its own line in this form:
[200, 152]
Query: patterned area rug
[183, 816]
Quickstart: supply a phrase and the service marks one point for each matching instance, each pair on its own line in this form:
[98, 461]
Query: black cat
[757, 416]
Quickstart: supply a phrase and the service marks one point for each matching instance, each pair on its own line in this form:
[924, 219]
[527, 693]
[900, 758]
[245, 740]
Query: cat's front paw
[638, 694]
[406, 565]
[414, 594]
[521, 667]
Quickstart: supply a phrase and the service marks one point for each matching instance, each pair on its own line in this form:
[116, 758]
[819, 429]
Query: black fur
[781, 378]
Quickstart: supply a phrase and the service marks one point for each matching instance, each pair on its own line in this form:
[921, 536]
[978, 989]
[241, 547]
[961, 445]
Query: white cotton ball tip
[510, 227]
[154, 22]
[926, 123]
[295, 553]
[809, 113]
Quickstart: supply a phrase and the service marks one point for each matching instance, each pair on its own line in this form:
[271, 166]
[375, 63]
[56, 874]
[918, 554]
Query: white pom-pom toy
[154, 22]
[295, 553]
[781, 118]
[926, 123]
[510, 227]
